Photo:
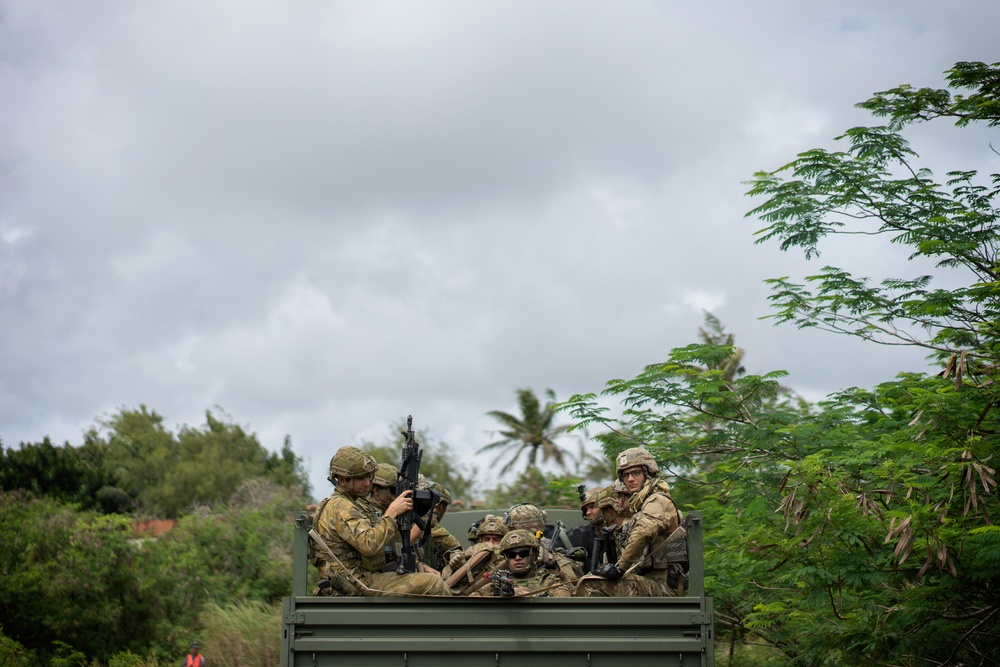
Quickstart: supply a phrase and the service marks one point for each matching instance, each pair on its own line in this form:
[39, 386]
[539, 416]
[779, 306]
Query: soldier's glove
[456, 561]
[610, 571]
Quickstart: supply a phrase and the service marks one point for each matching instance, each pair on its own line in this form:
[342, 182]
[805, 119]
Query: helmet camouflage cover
[525, 515]
[606, 497]
[351, 462]
[636, 456]
[589, 498]
[385, 475]
[518, 538]
[491, 525]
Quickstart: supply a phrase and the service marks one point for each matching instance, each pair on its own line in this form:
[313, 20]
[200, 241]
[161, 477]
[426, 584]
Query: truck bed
[515, 632]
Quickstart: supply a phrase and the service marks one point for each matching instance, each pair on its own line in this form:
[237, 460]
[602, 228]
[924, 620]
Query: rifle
[596, 551]
[610, 546]
[501, 583]
[424, 500]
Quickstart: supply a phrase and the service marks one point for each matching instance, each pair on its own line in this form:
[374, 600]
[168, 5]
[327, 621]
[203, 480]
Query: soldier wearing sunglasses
[519, 549]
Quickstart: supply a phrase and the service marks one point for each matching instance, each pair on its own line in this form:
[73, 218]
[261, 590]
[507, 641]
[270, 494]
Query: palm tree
[533, 432]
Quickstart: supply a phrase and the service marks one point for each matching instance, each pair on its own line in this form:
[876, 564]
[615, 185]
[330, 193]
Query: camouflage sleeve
[445, 540]
[658, 516]
[354, 527]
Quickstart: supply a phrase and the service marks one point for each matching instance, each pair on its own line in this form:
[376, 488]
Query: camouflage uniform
[536, 578]
[385, 476]
[438, 549]
[358, 541]
[489, 525]
[441, 543]
[654, 518]
[525, 516]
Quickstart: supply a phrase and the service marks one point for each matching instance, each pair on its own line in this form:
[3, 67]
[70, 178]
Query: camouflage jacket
[654, 517]
[539, 579]
[353, 536]
[394, 548]
[435, 552]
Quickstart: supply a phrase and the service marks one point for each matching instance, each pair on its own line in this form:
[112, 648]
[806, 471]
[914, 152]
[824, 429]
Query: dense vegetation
[857, 531]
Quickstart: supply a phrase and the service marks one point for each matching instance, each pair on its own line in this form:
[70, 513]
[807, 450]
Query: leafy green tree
[533, 432]
[856, 531]
[536, 486]
[168, 474]
[68, 576]
[439, 461]
[66, 473]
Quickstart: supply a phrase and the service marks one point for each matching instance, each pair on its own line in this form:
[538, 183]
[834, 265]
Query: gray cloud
[323, 216]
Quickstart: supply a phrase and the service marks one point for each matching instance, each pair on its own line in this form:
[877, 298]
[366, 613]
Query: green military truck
[497, 632]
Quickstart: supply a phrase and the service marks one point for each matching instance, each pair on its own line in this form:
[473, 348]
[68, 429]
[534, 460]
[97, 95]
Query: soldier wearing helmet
[442, 544]
[654, 518]
[552, 552]
[356, 540]
[383, 492]
[519, 549]
[490, 530]
[588, 508]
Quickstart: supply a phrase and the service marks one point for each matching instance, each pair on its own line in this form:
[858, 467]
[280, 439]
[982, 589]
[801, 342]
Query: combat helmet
[474, 530]
[385, 475]
[525, 516]
[351, 462]
[518, 538]
[636, 456]
[491, 525]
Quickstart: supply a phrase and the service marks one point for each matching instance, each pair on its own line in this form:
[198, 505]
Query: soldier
[383, 492]
[442, 544]
[491, 530]
[654, 518]
[588, 535]
[356, 543]
[525, 516]
[520, 550]
[609, 533]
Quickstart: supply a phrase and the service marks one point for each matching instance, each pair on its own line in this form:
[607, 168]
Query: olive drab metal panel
[492, 632]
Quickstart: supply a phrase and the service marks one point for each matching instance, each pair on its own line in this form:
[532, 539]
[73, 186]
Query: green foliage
[533, 432]
[536, 486]
[167, 475]
[242, 634]
[856, 531]
[439, 462]
[83, 579]
[12, 654]
[69, 576]
[68, 474]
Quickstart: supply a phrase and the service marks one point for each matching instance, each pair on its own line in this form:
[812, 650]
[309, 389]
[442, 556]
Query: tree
[533, 432]
[856, 531]
[66, 473]
[167, 474]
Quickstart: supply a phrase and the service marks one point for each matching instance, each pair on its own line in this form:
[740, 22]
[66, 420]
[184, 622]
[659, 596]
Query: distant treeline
[133, 464]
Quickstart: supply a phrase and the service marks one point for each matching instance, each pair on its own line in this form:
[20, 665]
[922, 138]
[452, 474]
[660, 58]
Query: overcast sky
[324, 216]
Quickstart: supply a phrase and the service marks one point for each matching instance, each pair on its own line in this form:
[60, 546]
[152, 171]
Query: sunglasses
[517, 553]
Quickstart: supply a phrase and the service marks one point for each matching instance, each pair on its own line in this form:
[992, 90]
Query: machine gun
[501, 583]
[424, 500]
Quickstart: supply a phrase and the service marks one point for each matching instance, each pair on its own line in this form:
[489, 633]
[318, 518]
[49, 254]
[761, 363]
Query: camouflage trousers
[390, 583]
[629, 586]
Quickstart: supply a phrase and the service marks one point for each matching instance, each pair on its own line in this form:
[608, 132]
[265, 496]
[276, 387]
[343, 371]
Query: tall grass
[241, 634]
